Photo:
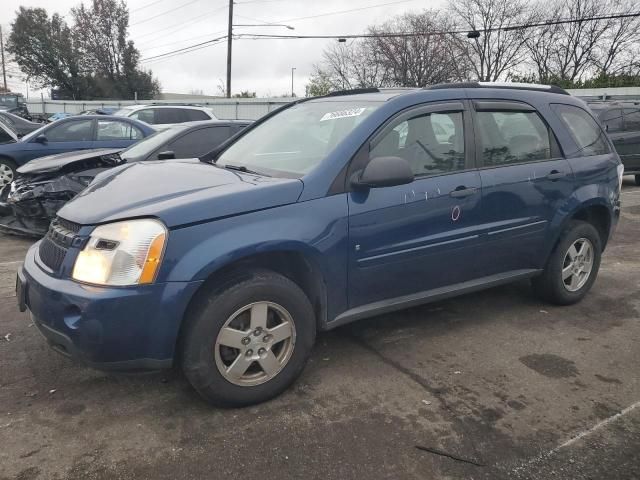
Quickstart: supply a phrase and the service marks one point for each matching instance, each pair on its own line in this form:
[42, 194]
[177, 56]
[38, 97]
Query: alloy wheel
[577, 265]
[255, 344]
[6, 175]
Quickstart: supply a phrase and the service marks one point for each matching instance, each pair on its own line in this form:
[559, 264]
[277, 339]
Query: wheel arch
[596, 212]
[299, 266]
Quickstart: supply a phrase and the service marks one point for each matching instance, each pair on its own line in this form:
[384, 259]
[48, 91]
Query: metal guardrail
[242, 109]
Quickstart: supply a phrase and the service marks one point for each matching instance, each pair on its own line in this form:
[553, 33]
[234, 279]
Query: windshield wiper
[243, 169]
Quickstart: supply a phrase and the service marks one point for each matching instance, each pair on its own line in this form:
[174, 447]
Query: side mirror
[168, 155]
[41, 138]
[384, 172]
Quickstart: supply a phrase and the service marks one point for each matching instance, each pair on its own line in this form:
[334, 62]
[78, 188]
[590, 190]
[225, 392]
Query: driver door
[409, 239]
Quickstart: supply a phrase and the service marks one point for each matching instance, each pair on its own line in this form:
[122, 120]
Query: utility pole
[229, 46]
[293, 94]
[4, 71]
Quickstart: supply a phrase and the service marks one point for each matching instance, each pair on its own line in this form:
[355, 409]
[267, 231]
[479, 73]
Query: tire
[638, 180]
[8, 171]
[205, 353]
[551, 286]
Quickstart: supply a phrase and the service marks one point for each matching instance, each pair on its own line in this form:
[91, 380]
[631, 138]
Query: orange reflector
[151, 263]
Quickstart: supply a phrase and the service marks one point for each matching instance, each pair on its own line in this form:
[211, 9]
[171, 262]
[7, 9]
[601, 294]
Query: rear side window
[171, 115]
[199, 142]
[587, 134]
[146, 115]
[195, 115]
[432, 143]
[632, 119]
[509, 137]
[612, 120]
[117, 130]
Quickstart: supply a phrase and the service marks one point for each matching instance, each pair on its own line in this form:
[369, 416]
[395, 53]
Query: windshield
[296, 140]
[140, 150]
[8, 101]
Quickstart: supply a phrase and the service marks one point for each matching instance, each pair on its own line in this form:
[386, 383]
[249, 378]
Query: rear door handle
[462, 192]
[556, 175]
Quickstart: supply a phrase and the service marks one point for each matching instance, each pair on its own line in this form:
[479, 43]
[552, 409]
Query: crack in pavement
[448, 455]
[436, 392]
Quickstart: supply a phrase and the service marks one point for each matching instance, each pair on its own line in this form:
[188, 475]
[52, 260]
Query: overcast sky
[263, 66]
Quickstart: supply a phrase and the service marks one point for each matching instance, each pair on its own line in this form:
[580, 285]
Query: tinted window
[5, 137]
[431, 143]
[199, 142]
[117, 130]
[146, 115]
[585, 131]
[632, 119]
[171, 115]
[612, 119]
[195, 115]
[510, 137]
[75, 131]
[8, 119]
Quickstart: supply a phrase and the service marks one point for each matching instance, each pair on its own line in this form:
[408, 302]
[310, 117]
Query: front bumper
[126, 328]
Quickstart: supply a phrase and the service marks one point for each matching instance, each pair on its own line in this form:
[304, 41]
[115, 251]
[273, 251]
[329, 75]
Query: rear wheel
[7, 171]
[572, 267]
[248, 340]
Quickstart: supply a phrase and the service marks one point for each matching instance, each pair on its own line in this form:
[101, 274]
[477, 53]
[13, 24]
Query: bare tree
[619, 50]
[499, 49]
[425, 57]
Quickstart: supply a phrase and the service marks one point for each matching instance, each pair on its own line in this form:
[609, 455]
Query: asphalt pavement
[493, 385]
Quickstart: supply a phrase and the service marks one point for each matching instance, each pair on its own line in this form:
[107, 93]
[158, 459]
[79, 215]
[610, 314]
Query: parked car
[70, 134]
[45, 184]
[622, 123]
[166, 114]
[20, 125]
[7, 137]
[100, 111]
[14, 103]
[320, 214]
[54, 117]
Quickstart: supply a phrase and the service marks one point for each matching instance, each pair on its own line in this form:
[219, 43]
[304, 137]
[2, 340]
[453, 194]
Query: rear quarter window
[585, 131]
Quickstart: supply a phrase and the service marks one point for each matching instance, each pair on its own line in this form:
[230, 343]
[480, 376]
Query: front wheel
[7, 172]
[248, 340]
[572, 267]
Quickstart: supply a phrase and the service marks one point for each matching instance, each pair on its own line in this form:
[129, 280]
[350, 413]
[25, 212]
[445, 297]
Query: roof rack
[353, 91]
[505, 85]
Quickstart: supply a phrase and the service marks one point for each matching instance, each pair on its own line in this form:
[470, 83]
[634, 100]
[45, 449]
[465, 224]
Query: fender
[584, 197]
[317, 229]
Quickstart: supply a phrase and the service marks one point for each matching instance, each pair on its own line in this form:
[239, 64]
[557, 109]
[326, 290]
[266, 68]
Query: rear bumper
[127, 329]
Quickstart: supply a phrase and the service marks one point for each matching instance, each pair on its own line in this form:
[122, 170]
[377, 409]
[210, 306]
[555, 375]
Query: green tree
[91, 59]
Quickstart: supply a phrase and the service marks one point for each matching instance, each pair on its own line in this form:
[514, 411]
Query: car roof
[386, 94]
[156, 105]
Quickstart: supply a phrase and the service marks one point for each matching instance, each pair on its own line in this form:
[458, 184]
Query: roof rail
[353, 91]
[505, 85]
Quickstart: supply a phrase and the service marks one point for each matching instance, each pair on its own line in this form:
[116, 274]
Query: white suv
[166, 114]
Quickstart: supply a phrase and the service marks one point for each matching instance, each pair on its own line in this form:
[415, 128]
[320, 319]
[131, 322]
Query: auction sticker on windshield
[351, 112]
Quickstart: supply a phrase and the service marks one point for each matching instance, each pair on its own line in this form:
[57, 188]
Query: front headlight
[122, 253]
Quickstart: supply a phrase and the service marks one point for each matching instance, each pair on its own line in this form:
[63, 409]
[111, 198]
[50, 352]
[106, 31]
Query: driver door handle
[462, 192]
[556, 175]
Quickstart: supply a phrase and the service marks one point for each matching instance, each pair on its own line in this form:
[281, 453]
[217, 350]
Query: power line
[179, 50]
[146, 6]
[183, 25]
[183, 53]
[449, 32]
[340, 12]
[394, 35]
[165, 12]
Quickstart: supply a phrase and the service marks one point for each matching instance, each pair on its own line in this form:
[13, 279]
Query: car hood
[178, 192]
[53, 163]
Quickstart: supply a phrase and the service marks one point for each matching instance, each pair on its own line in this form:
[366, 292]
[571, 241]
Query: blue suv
[326, 211]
